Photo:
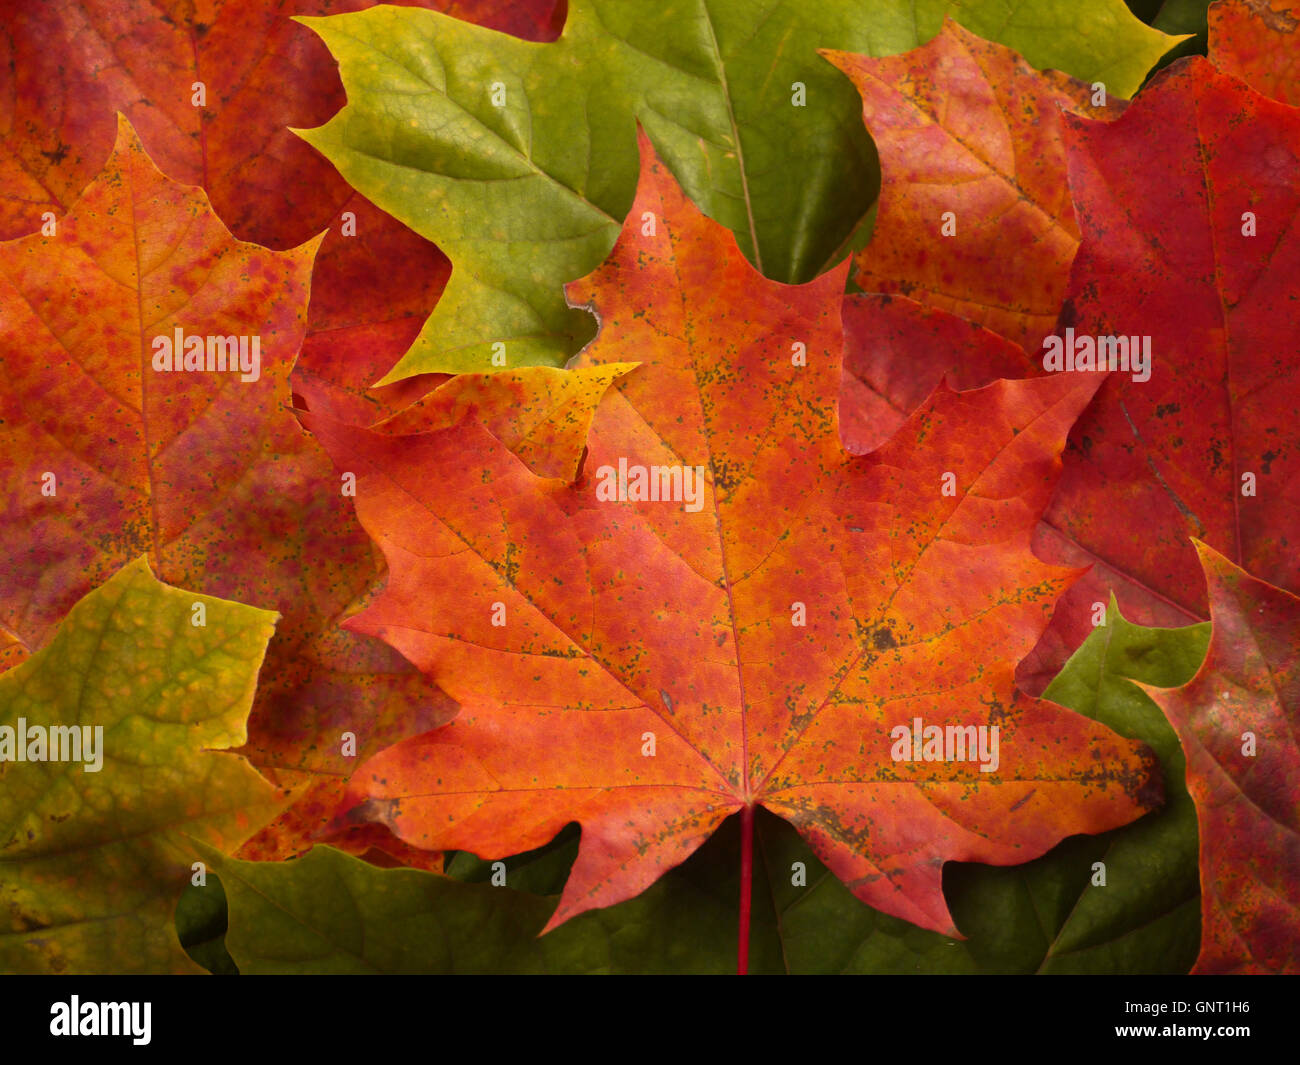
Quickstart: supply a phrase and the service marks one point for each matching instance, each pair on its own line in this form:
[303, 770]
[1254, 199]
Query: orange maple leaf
[784, 624]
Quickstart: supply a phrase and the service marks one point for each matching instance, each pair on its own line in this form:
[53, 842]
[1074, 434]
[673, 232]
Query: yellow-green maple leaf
[92, 860]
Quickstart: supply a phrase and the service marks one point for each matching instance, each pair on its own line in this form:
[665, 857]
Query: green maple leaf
[520, 161]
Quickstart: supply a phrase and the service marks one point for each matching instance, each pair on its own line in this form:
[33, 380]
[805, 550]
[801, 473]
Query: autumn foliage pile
[656, 490]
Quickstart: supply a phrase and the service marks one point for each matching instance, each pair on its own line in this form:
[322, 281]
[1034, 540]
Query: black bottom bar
[395, 1015]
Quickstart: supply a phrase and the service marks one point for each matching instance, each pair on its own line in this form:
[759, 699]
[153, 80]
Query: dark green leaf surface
[201, 916]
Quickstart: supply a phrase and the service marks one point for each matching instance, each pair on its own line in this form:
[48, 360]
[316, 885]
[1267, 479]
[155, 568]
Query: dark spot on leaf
[883, 637]
[1021, 802]
[1068, 316]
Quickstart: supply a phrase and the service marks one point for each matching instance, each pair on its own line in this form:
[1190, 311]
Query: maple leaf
[1185, 204]
[468, 137]
[1254, 40]
[96, 847]
[207, 473]
[1045, 916]
[973, 165]
[1237, 720]
[191, 467]
[657, 666]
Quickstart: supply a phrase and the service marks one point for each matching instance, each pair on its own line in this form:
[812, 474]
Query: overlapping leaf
[765, 640]
[1237, 720]
[286, 919]
[896, 351]
[973, 162]
[469, 137]
[92, 859]
[70, 65]
[1167, 194]
[192, 468]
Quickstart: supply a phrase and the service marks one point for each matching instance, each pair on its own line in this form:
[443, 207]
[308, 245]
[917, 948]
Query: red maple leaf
[1238, 720]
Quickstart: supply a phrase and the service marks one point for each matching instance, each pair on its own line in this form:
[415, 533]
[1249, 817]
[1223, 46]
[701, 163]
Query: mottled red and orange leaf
[896, 351]
[1238, 720]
